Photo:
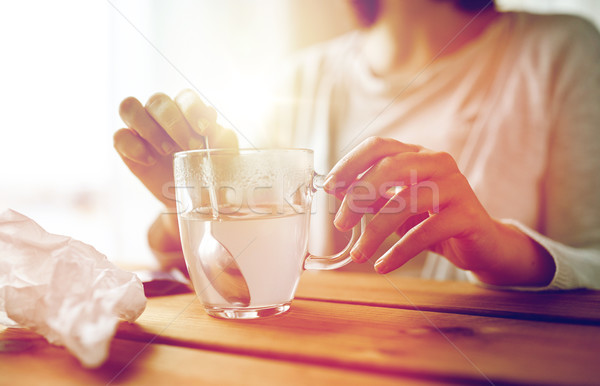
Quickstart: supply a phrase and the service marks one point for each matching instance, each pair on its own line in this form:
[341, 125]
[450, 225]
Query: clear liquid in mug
[269, 250]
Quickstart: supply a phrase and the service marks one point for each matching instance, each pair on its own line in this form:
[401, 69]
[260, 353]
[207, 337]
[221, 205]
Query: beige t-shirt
[518, 108]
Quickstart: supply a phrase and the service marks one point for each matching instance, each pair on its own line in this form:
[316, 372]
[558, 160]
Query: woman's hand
[435, 209]
[154, 132]
[162, 127]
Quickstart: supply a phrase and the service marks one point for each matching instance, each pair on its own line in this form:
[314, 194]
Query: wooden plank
[442, 346]
[133, 363]
[578, 306]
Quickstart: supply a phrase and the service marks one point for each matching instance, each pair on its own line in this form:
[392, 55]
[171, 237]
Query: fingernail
[357, 255]
[328, 184]
[195, 143]
[340, 222]
[380, 266]
[202, 126]
[167, 148]
[150, 160]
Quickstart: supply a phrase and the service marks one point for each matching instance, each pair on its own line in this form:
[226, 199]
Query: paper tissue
[63, 289]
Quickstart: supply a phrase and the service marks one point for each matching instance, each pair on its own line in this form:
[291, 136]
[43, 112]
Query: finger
[370, 207]
[395, 213]
[389, 173]
[201, 118]
[363, 157]
[137, 118]
[166, 113]
[130, 146]
[411, 222]
[147, 172]
[352, 209]
[423, 236]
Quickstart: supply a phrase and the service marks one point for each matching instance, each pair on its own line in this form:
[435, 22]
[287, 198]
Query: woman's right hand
[154, 132]
[162, 127]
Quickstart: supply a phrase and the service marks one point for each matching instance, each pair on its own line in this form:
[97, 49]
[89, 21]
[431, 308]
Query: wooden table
[343, 328]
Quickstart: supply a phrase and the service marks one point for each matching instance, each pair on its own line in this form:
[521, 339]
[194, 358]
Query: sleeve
[575, 267]
[570, 191]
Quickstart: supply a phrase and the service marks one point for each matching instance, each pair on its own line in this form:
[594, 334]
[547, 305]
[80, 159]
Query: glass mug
[244, 223]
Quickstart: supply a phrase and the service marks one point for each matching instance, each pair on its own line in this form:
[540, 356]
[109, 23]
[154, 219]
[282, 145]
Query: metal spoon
[222, 270]
[218, 264]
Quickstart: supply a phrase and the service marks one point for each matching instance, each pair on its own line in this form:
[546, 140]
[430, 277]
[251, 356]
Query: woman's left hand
[435, 209]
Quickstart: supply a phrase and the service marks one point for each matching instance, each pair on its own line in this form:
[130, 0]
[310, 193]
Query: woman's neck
[410, 34]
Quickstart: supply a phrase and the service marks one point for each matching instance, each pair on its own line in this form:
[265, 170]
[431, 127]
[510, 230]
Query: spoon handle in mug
[212, 194]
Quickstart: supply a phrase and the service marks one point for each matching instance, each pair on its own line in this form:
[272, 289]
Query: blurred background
[67, 64]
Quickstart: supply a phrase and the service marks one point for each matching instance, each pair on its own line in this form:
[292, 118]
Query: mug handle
[339, 259]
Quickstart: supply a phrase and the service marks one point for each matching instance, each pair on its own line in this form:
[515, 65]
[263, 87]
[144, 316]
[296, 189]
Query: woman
[487, 120]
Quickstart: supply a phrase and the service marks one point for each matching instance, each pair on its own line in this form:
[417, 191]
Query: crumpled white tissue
[63, 289]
